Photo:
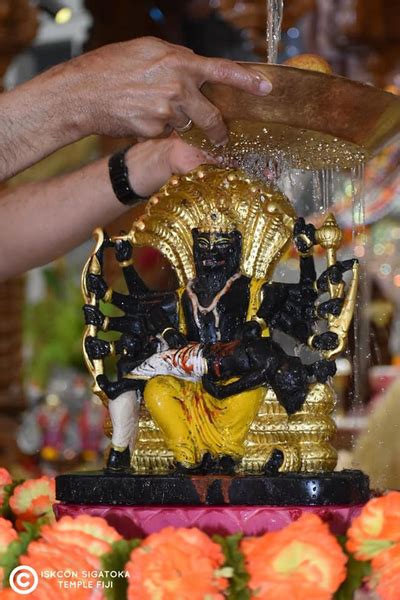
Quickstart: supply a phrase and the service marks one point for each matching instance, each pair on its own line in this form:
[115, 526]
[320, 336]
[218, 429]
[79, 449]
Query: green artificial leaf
[115, 560]
[357, 571]
[234, 560]
[5, 510]
[10, 558]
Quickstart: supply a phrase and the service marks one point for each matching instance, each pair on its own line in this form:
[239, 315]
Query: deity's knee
[162, 397]
[160, 392]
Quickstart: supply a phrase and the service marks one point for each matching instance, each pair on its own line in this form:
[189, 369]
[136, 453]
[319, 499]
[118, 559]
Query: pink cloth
[139, 521]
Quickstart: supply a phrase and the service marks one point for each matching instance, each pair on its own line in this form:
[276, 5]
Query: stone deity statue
[196, 368]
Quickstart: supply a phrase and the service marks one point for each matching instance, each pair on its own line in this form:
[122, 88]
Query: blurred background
[49, 421]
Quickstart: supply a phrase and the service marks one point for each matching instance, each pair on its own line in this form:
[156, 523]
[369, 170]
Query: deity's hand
[123, 250]
[93, 316]
[334, 274]
[210, 387]
[290, 308]
[301, 300]
[96, 348]
[174, 338]
[330, 307]
[323, 369]
[146, 87]
[96, 285]
[303, 236]
[290, 384]
[325, 341]
[111, 388]
[129, 344]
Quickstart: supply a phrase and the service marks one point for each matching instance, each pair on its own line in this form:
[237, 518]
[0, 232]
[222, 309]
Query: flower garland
[87, 559]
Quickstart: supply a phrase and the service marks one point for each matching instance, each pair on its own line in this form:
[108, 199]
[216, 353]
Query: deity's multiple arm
[145, 321]
[123, 254]
[246, 382]
[294, 308]
[290, 308]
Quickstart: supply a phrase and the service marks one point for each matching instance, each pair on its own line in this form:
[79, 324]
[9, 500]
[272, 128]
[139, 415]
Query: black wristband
[119, 176]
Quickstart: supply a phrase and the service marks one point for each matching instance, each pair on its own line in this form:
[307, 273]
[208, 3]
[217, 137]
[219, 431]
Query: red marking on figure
[185, 357]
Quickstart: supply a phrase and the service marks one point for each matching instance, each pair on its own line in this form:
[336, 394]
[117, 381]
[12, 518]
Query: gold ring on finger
[186, 127]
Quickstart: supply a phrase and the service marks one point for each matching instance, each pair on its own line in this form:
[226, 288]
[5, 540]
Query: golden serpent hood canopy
[261, 212]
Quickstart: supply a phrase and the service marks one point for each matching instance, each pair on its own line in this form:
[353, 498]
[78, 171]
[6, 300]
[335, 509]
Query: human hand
[146, 87]
[112, 389]
[151, 163]
[210, 386]
[330, 307]
[129, 345]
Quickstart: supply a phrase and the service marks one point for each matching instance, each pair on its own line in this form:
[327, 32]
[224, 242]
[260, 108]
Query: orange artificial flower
[33, 500]
[9, 594]
[7, 535]
[377, 528]
[177, 564]
[67, 558]
[385, 578]
[64, 571]
[91, 533]
[5, 479]
[304, 560]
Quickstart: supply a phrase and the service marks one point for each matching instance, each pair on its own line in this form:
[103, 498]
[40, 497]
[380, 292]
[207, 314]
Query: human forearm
[36, 119]
[143, 88]
[42, 221]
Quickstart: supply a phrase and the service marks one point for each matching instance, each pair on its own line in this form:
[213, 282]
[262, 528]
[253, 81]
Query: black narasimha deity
[203, 361]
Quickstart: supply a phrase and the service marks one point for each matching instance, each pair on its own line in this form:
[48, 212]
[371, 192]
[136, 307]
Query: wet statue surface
[206, 405]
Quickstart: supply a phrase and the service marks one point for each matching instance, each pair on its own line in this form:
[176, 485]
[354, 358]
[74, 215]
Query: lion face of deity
[217, 252]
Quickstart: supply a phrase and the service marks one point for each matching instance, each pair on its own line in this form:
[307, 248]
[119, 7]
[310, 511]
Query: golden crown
[212, 199]
[218, 220]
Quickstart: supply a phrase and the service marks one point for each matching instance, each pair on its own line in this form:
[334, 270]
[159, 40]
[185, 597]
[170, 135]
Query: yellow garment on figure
[193, 422]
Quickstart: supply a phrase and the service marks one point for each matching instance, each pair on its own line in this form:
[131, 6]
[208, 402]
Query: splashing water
[327, 189]
[361, 325]
[324, 192]
[315, 186]
[273, 32]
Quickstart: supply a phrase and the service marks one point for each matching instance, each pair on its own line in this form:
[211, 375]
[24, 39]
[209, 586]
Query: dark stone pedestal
[138, 505]
[343, 488]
